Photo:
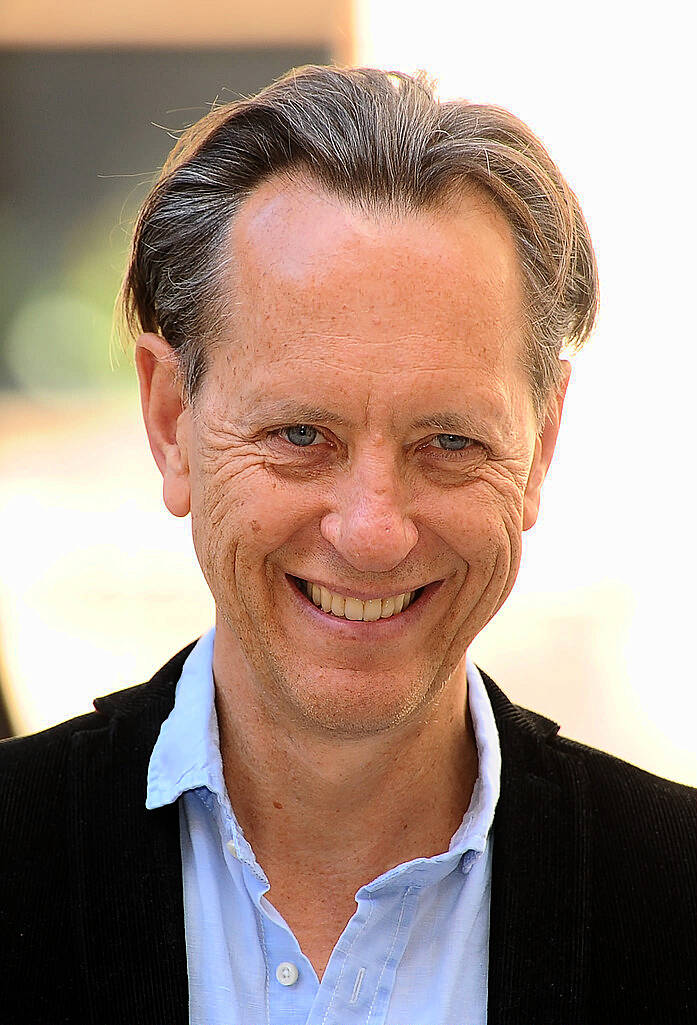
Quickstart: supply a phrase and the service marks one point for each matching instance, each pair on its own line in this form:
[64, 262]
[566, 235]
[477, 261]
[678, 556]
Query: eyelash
[443, 452]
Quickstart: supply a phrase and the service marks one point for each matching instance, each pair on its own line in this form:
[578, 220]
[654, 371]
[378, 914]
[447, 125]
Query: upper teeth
[355, 609]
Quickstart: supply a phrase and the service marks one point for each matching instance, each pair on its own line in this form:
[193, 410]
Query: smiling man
[350, 302]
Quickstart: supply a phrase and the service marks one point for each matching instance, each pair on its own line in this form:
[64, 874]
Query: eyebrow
[290, 411]
[447, 422]
[282, 411]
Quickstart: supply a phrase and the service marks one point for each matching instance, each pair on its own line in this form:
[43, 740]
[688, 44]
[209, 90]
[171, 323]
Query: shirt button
[231, 847]
[287, 973]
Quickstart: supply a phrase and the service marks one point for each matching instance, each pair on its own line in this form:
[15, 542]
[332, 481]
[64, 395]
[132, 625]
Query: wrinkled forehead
[330, 295]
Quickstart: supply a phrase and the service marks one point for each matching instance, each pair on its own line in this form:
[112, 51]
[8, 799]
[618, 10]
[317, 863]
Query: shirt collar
[479, 817]
[187, 751]
[186, 756]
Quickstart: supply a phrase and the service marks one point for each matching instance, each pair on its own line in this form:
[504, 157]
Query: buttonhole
[357, 985]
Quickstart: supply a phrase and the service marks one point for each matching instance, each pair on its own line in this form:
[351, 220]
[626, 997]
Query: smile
[355, 609]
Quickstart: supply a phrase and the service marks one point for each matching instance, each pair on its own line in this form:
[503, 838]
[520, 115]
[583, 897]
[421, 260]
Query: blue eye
[300, 434]
[452, 442]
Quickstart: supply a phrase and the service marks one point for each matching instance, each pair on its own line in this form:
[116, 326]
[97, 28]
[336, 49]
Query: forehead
[347, 299]
[295, 235]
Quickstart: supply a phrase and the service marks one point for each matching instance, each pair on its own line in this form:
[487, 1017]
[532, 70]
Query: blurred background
[99, 585]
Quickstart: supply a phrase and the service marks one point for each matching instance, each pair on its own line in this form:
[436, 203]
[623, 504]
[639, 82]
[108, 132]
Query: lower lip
[379, 628]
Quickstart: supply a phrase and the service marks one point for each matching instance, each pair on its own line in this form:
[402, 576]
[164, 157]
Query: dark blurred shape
[6, 728]
[79, 151]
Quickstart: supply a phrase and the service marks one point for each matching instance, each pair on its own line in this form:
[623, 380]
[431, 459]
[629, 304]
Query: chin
[360, 702]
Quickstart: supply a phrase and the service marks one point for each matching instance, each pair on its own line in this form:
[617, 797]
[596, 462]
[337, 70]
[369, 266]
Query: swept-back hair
[381, 141]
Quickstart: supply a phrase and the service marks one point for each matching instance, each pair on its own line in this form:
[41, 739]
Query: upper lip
[363, 595]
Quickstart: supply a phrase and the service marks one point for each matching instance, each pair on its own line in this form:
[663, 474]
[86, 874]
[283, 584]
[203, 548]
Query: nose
[368, 524]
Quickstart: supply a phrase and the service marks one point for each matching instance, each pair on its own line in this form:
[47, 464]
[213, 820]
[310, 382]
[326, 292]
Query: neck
[348, 808]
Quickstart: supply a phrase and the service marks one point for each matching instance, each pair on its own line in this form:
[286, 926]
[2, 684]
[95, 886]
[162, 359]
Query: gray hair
[381, 141]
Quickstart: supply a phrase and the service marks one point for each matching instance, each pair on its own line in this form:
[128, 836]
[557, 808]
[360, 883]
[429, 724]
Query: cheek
[269, 519]
[483, 518]
[242, 513]
[488, 547]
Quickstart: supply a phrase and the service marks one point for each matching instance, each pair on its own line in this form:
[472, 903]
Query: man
[350, 302]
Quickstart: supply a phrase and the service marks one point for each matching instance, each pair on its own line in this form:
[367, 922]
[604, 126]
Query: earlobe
[166, 418]
[544, 450]
[533, 488]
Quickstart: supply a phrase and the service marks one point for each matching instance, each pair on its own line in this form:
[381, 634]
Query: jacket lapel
[539, 903]
[127, 865]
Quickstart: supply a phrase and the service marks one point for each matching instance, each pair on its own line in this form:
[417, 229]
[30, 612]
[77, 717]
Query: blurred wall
[84, 132]
[132, 23]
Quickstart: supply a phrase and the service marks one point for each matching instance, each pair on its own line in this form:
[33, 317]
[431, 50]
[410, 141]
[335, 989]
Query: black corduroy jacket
[593, 899]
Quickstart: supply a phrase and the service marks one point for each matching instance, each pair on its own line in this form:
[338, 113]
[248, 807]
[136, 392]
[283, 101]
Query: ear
[166, 418]
[544, 450]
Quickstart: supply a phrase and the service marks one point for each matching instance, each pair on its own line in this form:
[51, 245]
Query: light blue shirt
[415, 951]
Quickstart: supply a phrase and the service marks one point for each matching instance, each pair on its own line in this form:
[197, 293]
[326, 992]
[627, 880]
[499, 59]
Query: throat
[316, 924]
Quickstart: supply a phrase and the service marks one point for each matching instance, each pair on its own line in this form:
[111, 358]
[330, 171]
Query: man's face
[367, 427]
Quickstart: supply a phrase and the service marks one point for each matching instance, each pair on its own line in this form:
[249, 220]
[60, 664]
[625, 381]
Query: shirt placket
[359, 978]
[291, 981]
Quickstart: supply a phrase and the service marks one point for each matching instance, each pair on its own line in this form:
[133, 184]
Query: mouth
[367, 610]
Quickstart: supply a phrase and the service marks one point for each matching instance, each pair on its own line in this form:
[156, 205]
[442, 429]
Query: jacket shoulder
[38, 762]
[634, 806]
[637, 821]
[545, 749]
[43, 751]
[625, 800]
[90, 880]
[609, 767]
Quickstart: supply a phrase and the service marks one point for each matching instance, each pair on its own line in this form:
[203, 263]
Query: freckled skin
[381, 320]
